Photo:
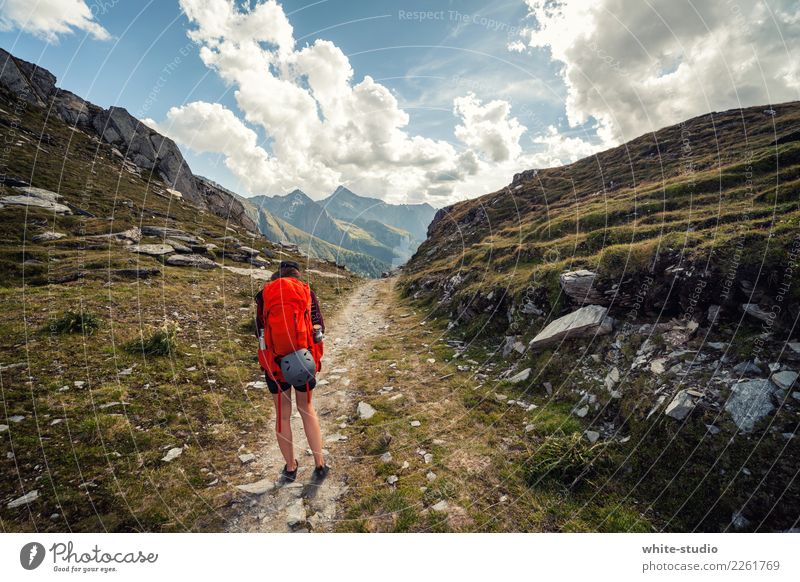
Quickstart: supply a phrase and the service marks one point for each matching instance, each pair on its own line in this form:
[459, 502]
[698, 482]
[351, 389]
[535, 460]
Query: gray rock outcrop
[749, 402]
[154, 250]
[579, 286]
[137, 143]
[38, 197]
[584, 322]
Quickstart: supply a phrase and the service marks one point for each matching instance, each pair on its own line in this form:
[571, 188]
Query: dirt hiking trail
[303, 506]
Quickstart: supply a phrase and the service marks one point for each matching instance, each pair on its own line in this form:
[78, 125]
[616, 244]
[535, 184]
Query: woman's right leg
[283, 399]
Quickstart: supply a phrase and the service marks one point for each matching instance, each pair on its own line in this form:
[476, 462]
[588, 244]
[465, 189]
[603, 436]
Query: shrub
[161, 343]
[565, 458]
[76, 322]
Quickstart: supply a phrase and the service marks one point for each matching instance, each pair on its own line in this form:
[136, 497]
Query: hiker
[290, 327]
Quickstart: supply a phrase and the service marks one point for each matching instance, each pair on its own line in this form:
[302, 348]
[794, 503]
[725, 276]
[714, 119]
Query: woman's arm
[316, 313]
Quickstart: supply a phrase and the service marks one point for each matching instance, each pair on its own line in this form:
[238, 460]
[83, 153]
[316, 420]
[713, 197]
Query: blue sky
[149, 64]
[581, 77]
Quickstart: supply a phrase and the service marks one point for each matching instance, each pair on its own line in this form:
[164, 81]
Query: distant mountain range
[367, 235]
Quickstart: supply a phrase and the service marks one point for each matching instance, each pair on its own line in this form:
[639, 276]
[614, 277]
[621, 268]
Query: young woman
[282, 391]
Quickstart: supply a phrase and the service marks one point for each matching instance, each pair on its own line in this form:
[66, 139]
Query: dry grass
[481, 452]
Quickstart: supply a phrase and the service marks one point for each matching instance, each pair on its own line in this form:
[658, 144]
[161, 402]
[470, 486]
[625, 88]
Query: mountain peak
[297, 195]
[345, 192]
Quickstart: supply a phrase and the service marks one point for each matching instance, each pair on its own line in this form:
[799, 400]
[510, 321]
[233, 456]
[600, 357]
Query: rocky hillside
[131, 395]
[652, 291]
[143, 148]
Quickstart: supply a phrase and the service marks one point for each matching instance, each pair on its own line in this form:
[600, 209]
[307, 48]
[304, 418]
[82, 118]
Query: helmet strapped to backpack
[298, 368]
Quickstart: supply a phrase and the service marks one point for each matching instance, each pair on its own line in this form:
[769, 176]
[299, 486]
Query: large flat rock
[585, 322]
[257, 274]
[196, 261]
[153, 250]
[39, 197]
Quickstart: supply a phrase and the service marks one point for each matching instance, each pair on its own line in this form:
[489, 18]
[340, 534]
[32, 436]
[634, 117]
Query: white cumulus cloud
[488, 128]
[49, 19]
[637, 66]
[324, 125]
[222, 132]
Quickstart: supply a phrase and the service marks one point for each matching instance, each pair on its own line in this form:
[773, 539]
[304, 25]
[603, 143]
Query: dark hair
[286, 269]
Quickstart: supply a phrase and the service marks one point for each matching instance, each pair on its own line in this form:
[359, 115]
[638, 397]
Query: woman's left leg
[311, 426]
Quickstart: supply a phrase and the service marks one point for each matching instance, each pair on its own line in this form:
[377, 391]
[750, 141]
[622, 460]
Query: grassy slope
[99, 467]
[725, 200]
[692, 193]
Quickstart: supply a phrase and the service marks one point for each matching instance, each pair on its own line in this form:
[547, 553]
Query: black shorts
[273, 385]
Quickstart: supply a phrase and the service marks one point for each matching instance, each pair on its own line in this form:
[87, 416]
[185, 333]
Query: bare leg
[311, 427]
[284, 400]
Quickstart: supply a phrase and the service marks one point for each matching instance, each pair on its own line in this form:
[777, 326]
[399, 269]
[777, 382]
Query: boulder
[365, 411]
[130, 236]
[658, 366]
[591, 435]
[196, 261]
[258, 262]
[749, 402]
[521, 376]
[257, 274]
[153, 250]
[48, 236]
[585, 322]
[579, 286]
[747, 368]
[25, 499]
[680, 406]
[178, 246]
[191, 240]
[784, 380]
[248, 251]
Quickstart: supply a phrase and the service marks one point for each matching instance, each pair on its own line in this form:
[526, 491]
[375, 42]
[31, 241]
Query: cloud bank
[637, 66]
[48, 19]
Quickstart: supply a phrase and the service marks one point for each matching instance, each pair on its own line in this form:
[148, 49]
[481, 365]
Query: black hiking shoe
[320, 474]
[288, 476]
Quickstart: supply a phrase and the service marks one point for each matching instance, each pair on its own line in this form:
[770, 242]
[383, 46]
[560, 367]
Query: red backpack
[286, 320]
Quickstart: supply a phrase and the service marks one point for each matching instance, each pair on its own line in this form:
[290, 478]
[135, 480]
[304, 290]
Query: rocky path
[303, 506]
